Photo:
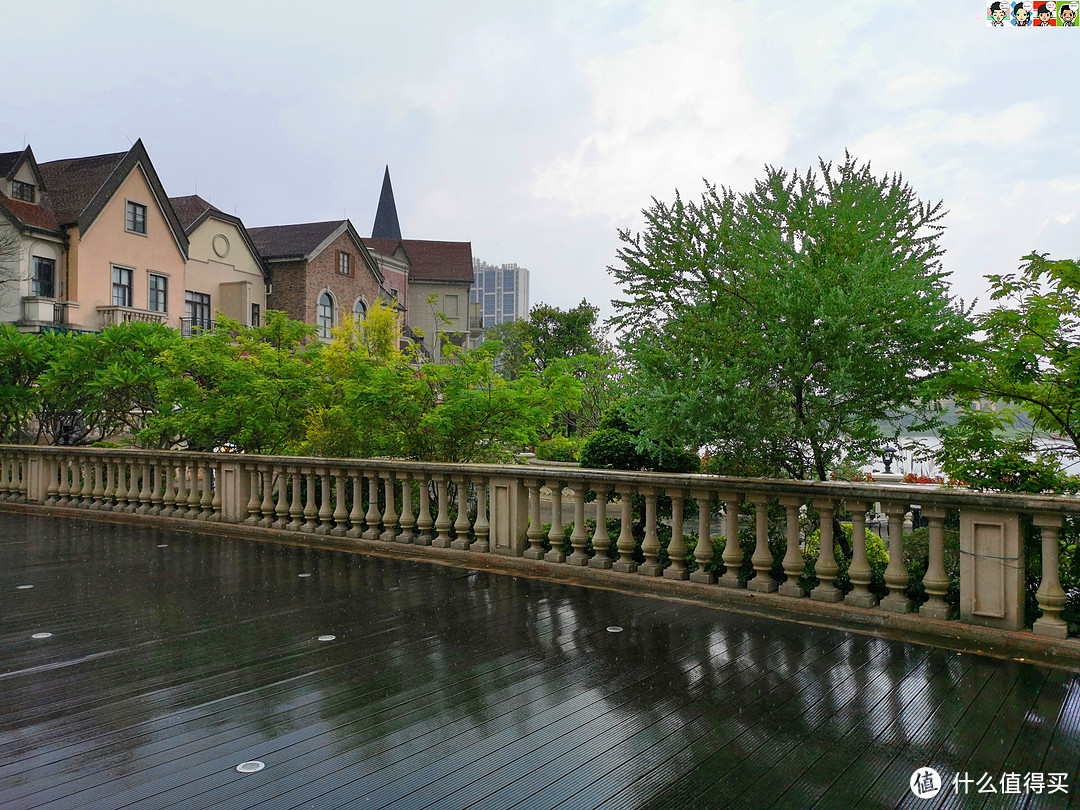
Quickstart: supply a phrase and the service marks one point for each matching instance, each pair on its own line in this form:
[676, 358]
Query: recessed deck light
[326, 638]
[614, 629]
[41, 635]
[254, 766]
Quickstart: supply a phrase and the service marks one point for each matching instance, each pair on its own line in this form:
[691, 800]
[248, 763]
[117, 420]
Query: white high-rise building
[502, 293]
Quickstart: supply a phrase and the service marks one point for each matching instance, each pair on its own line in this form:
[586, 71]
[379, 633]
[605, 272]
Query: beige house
[224, 272]
[98, 242]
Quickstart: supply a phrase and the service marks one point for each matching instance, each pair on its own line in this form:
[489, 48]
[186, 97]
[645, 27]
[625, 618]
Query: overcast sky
[537, 130]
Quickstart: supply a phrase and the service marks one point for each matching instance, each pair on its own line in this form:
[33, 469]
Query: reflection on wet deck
[173, 658]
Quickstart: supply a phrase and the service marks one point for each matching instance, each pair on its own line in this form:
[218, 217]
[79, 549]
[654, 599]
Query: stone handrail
[373, 499]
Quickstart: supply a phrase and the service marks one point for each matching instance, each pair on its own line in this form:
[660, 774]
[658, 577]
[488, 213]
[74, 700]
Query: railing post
[146, 498]
[826, 568]
[372, 518]
[310, 512]
[341, 514]
[579, 538]
[535, 551]
[281, 500]
[296, 506]
[762, 558]
[461, 525]
[625, 544]
[601, 540]
[1050, 594]
[268, 495]
[356, 515]
[65, 486]
[168, 500]
[556, 534]
[794, 565]
[407, 522]
[423, 523]
[255, 479]
[442, 519]
[650, 544]
[991, 569]
[936, 581]
[733, 552]
[703, 550]
[896, 575]
[325, 512]
[677, 546]
[51, 468]
[180, 507]
[859, 570]
[390, 516]
[482, 528]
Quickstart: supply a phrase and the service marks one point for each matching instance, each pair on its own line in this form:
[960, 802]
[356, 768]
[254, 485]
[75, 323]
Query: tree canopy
[780, 327]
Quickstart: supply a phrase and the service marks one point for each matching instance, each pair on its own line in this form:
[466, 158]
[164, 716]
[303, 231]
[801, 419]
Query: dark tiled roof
[33, 216]
[189, 209]
[8, 161]
[292, 241]
[386, 221]
[74, 182]
[384, 246]
[439, 261]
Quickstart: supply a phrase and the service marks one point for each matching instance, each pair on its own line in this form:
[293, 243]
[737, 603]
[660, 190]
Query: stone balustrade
[498, 511]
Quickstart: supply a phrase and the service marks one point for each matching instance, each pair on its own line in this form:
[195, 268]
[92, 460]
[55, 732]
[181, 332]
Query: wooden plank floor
[175, 657]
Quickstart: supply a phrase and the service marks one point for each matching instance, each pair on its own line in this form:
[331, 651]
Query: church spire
[386, 221]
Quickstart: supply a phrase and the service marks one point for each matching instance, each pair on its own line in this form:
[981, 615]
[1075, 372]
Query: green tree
[781, 326]
[1030, 353]
[248, 388]
[23, 359]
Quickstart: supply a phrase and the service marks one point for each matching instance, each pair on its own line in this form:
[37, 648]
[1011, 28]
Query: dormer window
[136, 217]
[22, 191]
[344, 263]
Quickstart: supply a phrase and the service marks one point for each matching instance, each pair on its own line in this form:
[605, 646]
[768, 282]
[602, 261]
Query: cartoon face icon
[1021, 14]
[1068, 14]
[998, 13]
[1044, 15]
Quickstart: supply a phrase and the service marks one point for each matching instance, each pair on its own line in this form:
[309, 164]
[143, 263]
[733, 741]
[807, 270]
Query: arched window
[360, 310]
[325, 320]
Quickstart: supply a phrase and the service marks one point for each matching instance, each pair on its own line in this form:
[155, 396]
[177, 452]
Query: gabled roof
[10, 162]
[193, 211]
[386, 220]
[80, 188]
[386, 247]
[27, 215]
[439, 261]
[306, 240]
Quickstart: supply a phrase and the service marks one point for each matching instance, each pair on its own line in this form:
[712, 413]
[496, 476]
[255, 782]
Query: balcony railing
[40, 309]
[498, 511]
[114, 315]
[193, 326]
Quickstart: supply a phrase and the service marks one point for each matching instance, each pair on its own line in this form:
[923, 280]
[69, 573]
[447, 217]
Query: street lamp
[888, 456]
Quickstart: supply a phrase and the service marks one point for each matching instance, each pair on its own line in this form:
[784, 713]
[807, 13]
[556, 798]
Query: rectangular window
[43, 282]
[22, 191]
[508, 280]
[256, 314]
[450, 306]
[196, 311]
[121, 286]
[343, 263]
[508, 302]
[159, 293]
[136, 217]
[489, 304]
[489, 281]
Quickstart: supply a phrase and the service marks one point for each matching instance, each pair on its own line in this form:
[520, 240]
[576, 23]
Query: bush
[558, 448]
[877, 555]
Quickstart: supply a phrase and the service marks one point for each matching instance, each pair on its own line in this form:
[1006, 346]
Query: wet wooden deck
[175, 657]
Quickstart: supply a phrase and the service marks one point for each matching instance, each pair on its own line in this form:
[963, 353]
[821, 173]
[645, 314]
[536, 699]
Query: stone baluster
[1051, 596]
[145, 495]
[155, 487]
[326, 514]
[296, 505]
[601, 540]
[462, 526]
[200, 483]
[310, 512]
[120, 496]
[650, 544]
[896, 574]
[936, 581]
[482, 529]
[625, 544]
[52, 494]
[341, 514]
[826, 568]
[86, 494]
[535, 534]
[98, 493]
[579, 538]
[794, 565]
[390, 516]
[373, 515]
[703, 550]
[424, 522]
[15, 478]
[253, 517]
[267, 507]
[677, 546]
[408, 519]
[114, 471]
[216, 513]
[442, 519]
[5, 475]
[556, 534]
[733, 553]
[189, 475]
[281, 502]
[181, 501]
[762, 558]
[134, 490]
[356, 515]
[206, 503]
[859, 570]
[64, 490]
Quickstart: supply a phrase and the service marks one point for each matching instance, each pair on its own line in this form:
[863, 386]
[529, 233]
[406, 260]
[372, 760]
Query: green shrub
[558, 448]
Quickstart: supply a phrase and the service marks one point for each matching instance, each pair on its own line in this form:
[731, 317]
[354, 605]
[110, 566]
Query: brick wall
[297, 285]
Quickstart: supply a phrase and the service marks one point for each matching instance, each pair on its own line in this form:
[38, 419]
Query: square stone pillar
[508, 503]
[235, 487]
[36, 470]
[991, 570]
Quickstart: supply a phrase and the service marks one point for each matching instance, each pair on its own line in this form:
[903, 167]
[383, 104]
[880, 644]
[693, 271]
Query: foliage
[615, 447]
[780, 327]
[23, 359]
[558, 448]
[877, 555]
[249, 389]
[1030, 354]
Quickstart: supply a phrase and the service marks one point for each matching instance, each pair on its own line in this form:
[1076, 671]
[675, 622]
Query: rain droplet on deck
[23, 587]
[326, 638]
[304, 575]
[614, 629]
[41, 635]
